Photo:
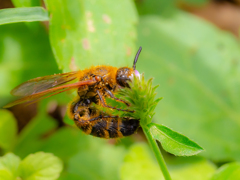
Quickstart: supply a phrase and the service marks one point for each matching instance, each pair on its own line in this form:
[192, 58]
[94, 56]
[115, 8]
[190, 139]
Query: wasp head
[125, 74]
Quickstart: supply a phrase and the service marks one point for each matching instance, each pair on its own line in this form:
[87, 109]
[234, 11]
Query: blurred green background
[190, 47]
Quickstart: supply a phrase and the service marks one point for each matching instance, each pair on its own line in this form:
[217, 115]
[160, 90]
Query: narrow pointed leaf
[26, 3]
[27, 14]
[174, 142]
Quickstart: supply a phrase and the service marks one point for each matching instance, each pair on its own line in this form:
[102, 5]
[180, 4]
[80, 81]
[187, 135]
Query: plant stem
[157, 153]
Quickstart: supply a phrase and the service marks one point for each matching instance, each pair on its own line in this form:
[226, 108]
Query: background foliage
[195, 63]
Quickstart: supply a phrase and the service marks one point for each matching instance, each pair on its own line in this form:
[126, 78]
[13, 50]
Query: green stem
[157, 153]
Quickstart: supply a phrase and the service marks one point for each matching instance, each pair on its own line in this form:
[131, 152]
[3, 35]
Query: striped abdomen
[108, 127]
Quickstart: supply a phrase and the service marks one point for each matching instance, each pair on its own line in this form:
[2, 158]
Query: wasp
[93, 86]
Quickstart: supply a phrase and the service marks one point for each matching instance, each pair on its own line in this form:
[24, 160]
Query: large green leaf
[163, 7]
[90, 32]
[230, 171]
[8, 130]
[174, 142]
[27, 14]
[158, 7]
[197, 67]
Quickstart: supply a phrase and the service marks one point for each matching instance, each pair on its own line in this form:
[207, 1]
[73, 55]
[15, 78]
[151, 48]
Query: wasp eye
[123, 76]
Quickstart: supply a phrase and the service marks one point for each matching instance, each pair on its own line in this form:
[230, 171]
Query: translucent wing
[40, 84]
[49, 92]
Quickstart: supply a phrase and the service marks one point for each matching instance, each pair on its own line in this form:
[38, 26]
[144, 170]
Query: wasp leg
[75, 108]
[102, 101]
[117, 99]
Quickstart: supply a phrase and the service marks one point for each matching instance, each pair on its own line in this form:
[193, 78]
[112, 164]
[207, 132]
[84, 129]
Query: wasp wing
[40, 84]
[49, 92]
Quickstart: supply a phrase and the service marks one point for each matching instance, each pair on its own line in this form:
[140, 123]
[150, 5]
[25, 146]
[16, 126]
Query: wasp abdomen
[99, 129]
[108, 127]
[128, 127]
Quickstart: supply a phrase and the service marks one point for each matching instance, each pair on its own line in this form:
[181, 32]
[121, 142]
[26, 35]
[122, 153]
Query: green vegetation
[195, 63]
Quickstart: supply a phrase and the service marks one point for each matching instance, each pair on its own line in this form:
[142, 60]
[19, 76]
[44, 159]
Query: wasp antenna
[136, 57]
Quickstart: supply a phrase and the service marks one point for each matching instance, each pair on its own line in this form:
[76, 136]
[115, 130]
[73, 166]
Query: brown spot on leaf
[171, 81]
[86, 44]
[73, 65]
[107, 31]
[129, 51]
[107, 19]
[88, 14]
[90, 23]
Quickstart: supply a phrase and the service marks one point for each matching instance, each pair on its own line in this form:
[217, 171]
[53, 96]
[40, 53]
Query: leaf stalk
[157, 152]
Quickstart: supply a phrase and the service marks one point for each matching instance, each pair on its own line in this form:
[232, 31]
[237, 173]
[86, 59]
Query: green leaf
[197, 68]
[9, 166]
[30, 139]
[92, 32]
[159, 7]
[8, 130]
[197, 170]
[33, 26]
[40, 166]
[68, 176]
[26, 3]
[165, 8]
[66, 137]
[14, 15]
[21, 57]
[230, 171]
[6, 175]
[97, 161]
[174, 142]
[139, 164]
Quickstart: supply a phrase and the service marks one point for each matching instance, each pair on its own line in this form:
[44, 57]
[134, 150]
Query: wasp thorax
[123, 76]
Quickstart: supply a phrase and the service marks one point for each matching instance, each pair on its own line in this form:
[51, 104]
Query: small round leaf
[40, 166]
[9, 166]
